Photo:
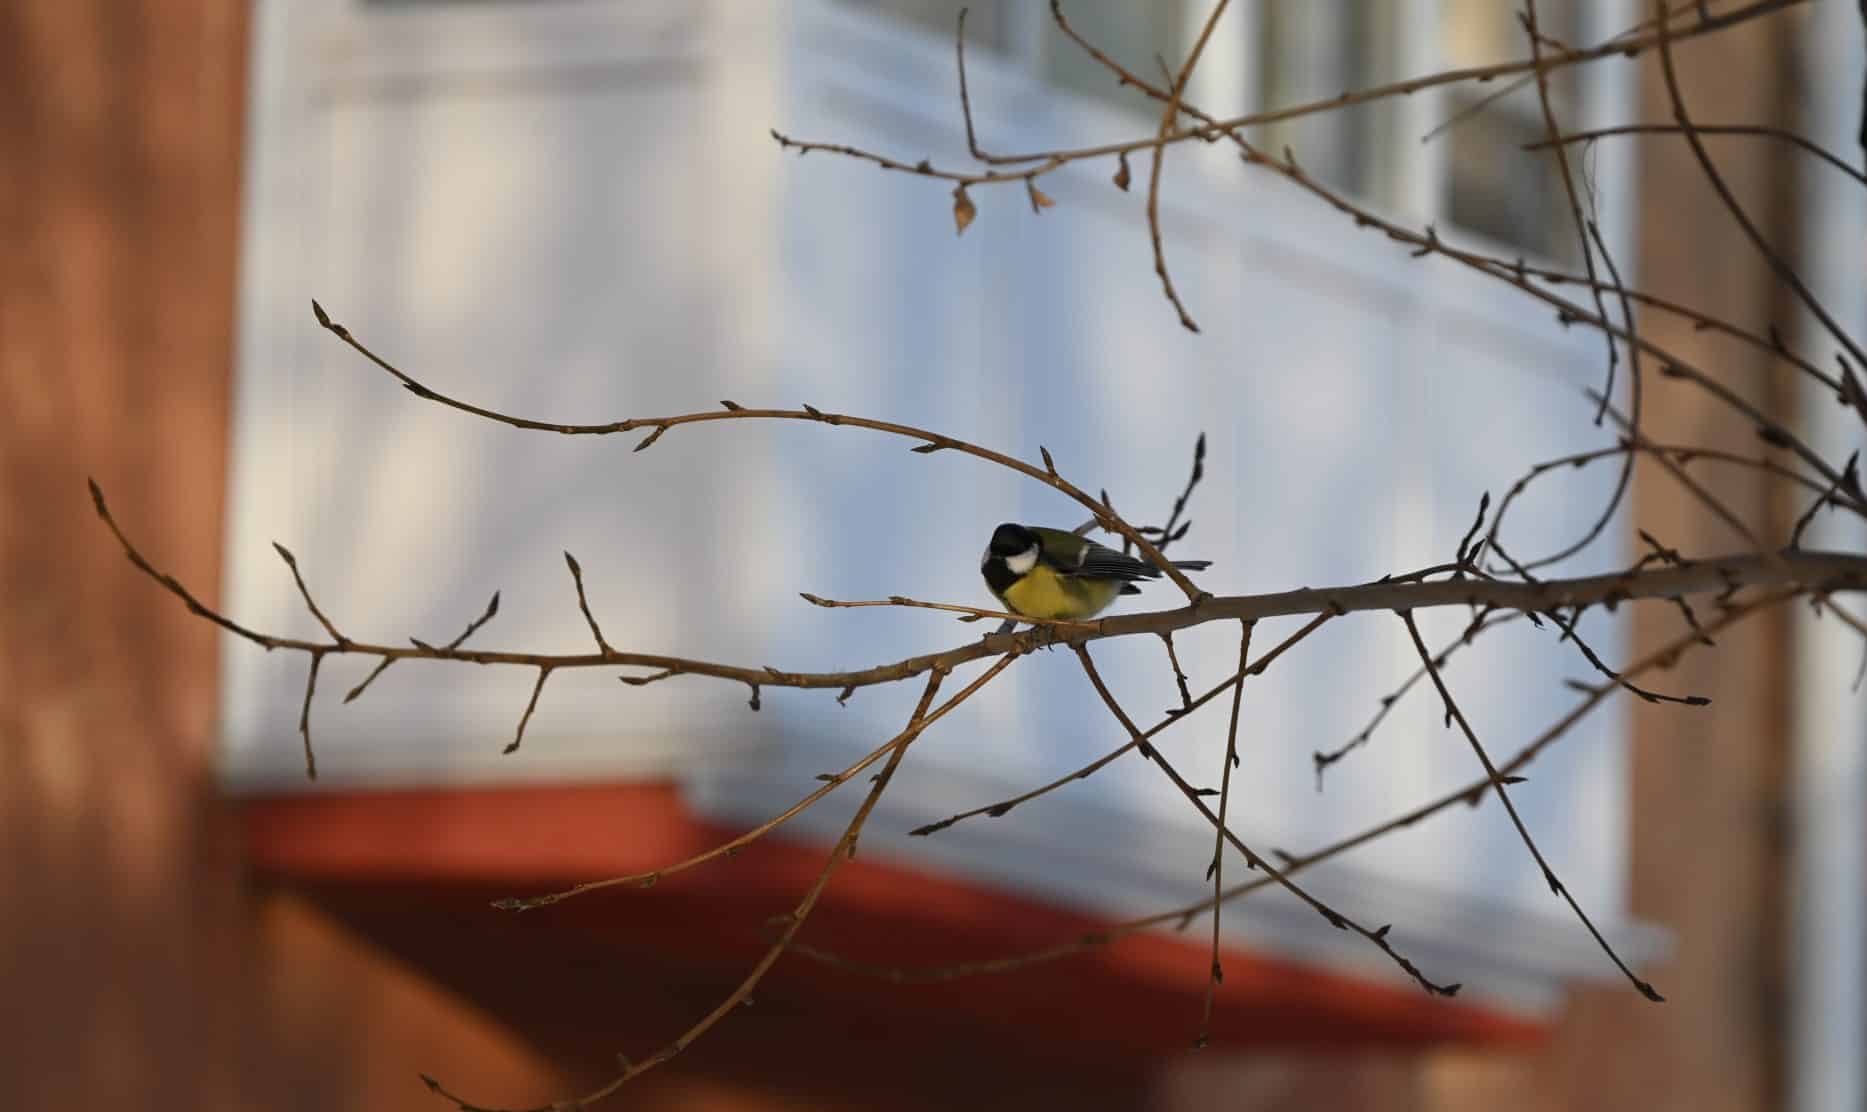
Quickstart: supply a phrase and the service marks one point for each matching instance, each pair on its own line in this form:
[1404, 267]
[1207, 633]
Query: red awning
[417, 871]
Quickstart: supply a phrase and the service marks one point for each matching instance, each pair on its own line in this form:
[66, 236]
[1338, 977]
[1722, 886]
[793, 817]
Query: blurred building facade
[186, 947]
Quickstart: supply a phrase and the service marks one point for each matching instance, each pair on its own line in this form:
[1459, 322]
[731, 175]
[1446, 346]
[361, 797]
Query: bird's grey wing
[1099, 562]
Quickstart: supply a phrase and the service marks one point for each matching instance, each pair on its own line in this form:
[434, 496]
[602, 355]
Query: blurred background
[572, 210]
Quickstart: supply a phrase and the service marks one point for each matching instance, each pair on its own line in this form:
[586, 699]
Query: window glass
[1474, 32]
[1314, 49]
[1492, 185]
[1514, 196]
[988, 22]
[1132, 34]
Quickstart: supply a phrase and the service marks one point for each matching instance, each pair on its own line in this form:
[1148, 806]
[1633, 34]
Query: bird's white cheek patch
[1023, 562]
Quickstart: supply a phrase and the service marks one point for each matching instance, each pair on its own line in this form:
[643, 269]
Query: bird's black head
[1010, 540]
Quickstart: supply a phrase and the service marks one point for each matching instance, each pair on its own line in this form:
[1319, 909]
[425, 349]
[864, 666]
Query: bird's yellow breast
[1045, 594]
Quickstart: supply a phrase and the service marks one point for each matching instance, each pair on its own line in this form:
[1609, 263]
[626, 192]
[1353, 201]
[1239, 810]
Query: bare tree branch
[1665, 656]
[1825, 572]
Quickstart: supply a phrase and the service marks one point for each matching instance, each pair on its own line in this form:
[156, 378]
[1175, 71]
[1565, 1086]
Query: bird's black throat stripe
[998, 574]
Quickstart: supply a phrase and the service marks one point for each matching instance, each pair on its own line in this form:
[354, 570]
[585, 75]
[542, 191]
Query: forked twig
[1004, 806]
[1376, 936]
[1497, 781]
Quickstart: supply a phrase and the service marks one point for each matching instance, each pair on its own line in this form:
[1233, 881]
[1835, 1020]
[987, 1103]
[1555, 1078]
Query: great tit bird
[1053, 573]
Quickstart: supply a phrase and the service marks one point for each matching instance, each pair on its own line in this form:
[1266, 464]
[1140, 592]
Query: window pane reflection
[1493, 186]
[988, 22]
[1315, 49]
[1134, 34]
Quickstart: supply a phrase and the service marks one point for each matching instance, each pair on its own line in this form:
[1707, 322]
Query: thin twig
[1572, 635]
[970, 613]
[1483, 621]
[1497, 781]
[1179, 677]
[1679, 453]
[583, 603]
[492, 608]
[1175, 529]
[304, 592]
[1826, 498]
[1376, 936]
[831, 781]
[531, 705]
[1217, 868]
[1004, 806]
[1771, 343]
[1568, 189]
[1168, 118]
[1775, 559]
[304, 713]
[1764, 131]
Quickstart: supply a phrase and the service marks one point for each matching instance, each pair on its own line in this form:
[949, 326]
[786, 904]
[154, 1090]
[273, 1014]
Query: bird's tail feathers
[1192, 565]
